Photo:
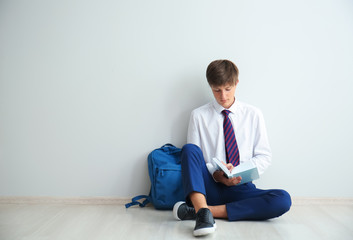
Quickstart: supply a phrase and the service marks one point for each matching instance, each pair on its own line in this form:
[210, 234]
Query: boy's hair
[222, 72]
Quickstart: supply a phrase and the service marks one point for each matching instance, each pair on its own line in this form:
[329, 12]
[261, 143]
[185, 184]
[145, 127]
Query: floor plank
[108, 222]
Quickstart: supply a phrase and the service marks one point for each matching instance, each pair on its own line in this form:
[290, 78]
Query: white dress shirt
[206, 131]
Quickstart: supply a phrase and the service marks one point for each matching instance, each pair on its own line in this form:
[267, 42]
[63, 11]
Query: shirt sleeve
[194, 131]
[194, 137]
[262, 155]
[211, 169]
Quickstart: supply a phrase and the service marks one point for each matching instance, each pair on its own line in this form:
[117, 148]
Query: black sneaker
[181, 211]
[205, 223]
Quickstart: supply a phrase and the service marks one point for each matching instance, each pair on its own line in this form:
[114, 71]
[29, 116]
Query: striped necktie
[230, 141]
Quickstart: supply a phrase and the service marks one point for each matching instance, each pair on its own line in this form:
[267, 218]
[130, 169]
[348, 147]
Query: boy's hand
[229, 166]
[219, 177]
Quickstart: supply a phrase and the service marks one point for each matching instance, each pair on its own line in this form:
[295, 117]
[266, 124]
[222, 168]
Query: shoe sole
[204, 231]
[175, 210]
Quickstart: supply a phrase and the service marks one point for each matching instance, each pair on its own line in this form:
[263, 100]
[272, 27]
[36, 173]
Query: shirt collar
[219, 108]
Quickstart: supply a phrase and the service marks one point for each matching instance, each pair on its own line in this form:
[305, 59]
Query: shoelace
[202, 215]
[190, 213]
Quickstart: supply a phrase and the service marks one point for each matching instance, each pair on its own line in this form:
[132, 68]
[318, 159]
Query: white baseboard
[122, 201]
[64, 200]
[321, 201]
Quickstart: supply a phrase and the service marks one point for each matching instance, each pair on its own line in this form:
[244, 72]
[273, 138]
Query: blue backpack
[165, 174]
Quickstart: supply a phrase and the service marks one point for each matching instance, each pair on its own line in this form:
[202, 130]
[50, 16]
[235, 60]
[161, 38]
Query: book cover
[247, 170]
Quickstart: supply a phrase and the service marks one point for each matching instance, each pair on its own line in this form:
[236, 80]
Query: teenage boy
[233, 132]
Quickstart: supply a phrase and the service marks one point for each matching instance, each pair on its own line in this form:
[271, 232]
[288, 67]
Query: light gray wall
[89, 88]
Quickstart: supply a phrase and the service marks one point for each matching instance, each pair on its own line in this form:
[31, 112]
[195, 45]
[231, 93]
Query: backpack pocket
[168, 188]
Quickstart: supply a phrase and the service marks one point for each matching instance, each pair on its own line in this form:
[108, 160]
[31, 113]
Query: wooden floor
[71, 222]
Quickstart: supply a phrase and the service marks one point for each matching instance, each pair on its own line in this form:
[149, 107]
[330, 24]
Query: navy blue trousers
[243, 202]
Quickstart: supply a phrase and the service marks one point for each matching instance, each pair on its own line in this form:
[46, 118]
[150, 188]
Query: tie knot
[225, 112]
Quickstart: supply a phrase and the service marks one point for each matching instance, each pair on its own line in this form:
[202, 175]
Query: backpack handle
[170, 148]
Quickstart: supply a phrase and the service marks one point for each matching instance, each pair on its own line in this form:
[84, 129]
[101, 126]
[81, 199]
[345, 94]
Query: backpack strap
[134, 201]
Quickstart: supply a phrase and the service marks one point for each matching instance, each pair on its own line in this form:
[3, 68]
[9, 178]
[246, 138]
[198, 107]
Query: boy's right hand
[219, 177]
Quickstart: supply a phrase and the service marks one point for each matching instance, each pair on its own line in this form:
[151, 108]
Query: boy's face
[224, 94]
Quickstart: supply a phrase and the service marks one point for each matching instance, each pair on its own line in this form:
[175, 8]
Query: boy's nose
[223, 95]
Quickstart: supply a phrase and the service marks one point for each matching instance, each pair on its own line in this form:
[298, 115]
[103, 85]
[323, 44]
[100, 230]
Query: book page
[221, 166]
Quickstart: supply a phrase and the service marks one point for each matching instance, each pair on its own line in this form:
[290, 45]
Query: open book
[248, 171]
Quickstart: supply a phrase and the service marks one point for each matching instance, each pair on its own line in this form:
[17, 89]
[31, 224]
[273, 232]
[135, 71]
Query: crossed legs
[243, 202]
